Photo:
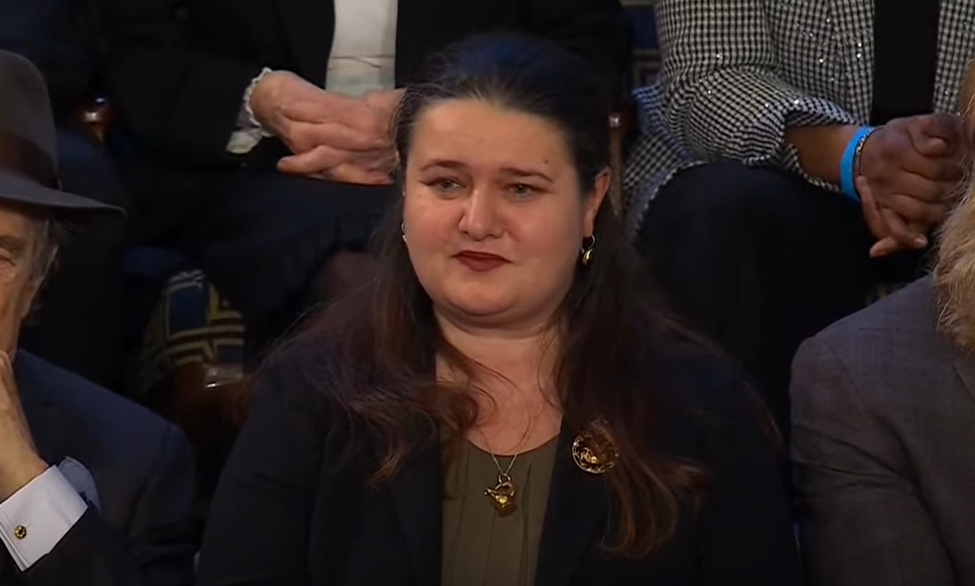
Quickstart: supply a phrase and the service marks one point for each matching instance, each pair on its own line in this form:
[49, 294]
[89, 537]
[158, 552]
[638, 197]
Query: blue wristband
[847, 180]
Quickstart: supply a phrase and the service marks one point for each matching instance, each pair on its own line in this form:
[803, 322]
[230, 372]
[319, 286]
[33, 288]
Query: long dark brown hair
[383, 340]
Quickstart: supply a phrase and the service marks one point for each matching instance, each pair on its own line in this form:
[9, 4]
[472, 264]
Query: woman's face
[493, 214]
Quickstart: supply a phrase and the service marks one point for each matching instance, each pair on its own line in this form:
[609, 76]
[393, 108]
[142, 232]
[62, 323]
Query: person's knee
[720, 217]
[728, 194]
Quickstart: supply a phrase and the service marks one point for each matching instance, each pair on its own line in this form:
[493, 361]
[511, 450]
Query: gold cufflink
[20, 532]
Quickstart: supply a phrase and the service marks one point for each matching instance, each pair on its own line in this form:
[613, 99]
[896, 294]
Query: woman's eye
[445, 185]
[523, 190]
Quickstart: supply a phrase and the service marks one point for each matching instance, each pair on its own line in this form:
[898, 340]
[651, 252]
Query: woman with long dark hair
[505, 404]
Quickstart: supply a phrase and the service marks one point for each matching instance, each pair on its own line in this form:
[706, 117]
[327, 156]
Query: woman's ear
[595, 200]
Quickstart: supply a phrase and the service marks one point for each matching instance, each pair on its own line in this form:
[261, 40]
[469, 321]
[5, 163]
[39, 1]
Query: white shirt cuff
[38, 516]
[249, 131]
[243, 141]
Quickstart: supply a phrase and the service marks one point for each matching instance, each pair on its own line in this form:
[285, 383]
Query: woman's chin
[480, 306]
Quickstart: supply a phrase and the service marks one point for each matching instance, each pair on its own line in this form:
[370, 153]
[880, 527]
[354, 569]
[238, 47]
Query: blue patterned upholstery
[191, 324]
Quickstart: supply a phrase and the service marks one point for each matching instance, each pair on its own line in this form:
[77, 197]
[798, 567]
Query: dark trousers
[760, 260]
[262, 237]
[77, 322]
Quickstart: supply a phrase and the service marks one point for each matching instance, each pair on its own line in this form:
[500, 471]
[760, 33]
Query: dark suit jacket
[290, 511]
[179, 69]
[143, 471]
[883, 443]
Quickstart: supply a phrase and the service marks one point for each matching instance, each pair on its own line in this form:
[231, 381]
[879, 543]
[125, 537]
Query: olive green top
[481, 548]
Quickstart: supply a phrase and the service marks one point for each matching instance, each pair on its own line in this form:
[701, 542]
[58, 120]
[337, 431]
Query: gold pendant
[594, 450]
[502, 496]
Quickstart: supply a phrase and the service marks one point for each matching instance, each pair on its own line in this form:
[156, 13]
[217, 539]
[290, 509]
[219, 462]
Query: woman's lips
[480, 261]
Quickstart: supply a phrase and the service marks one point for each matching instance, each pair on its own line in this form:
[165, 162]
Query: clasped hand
[332, 136]
[19, 461]
[909, 171]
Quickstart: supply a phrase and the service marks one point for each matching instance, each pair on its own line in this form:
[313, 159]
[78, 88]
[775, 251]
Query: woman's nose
[480, 219]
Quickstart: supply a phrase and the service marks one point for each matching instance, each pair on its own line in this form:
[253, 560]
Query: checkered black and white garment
[737, 72]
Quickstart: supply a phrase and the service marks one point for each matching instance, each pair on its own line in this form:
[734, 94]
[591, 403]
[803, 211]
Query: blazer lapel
[417, 491]
[575, 516]
[310, 26]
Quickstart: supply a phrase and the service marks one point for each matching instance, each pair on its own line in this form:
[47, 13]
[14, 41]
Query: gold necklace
[502, 495]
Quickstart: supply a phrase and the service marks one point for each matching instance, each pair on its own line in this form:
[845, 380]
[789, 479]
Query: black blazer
[142, 479]
[289, 511]
[178, 70]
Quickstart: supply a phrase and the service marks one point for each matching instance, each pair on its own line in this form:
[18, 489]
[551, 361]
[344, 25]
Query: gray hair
[48, 236]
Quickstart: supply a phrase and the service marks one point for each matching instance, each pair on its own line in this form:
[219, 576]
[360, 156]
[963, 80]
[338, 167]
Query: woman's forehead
[475, 130]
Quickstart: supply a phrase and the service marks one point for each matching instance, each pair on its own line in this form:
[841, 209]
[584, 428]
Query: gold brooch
[594, 450]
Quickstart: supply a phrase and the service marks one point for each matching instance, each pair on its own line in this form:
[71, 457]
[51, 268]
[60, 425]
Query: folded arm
[723, 97]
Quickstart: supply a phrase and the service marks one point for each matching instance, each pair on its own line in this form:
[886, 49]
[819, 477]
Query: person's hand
[908, 170]
[332, 136]
[19, 461]
[365, 167]
[387, 101]
[883, 222]
[342, 166]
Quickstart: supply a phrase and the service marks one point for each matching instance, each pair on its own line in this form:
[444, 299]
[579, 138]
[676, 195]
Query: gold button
[20, 532]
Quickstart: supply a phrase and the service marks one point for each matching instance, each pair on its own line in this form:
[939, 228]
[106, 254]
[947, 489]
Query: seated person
[254, 134]
[504, 404]
[745, 198]
[84, 294]
[94, 490]
[883, 424]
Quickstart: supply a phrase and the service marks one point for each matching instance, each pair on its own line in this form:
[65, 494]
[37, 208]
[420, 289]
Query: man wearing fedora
[61, 39]
[94, 490]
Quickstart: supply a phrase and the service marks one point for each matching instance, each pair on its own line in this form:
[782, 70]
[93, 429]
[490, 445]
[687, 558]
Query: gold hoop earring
[588, 244]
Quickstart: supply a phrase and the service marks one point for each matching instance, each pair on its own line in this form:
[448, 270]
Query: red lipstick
[481, 262]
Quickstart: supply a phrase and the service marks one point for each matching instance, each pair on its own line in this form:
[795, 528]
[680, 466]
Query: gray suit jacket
[884, 449]
[143, 476]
